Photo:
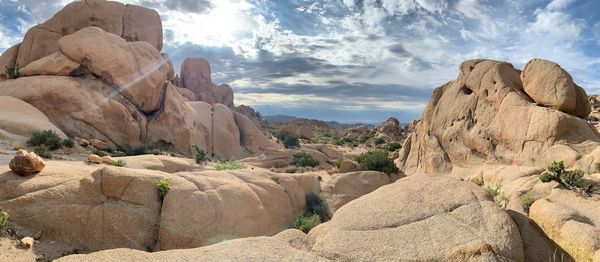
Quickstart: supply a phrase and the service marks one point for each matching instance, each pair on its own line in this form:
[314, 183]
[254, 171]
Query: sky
[355, 60]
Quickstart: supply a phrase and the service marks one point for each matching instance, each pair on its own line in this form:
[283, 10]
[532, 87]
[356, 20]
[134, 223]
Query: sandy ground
[44, 249]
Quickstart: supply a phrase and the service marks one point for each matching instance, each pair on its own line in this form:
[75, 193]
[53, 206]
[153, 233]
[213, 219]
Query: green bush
[47, 137]
[377, 160]
[12, 72]
[42, 151]
[556, 172]
[363, 139]
[496, 193]
[597, 167]
[379, 141]
[275, 178]
[337, 163]
[528, 200]
[229, 165]
[306, 223]
[163, 188]
[316, 205]
[3, 219]
[68, 143]
[99, 153]
[135, 151]
[280, 135]
[304, 160]
[119, 163]
[199, 155]
[393, 146]
[291, 142]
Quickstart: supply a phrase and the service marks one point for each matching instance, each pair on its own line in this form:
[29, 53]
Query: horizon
[354, 61]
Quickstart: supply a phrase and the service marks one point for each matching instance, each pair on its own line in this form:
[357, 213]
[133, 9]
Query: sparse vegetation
[119, 163]
[597, 167]
[68, 143]
[306, 223]
[199, 155]
[135, 151]
[377, 160]
[393, 146]
[379, 141]
[337, 163]
[303, 159]
[99, 152]
[163, 188]
[42, 151]
[291, 142]
[3, 219]
[275, 178]
[528, 200]
[12, 71]
[229, 165]
[571, 179]
[495, 191]
[316, 205]
[47, 138]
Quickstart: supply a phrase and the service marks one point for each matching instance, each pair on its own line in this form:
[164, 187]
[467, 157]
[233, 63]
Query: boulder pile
[96, 71]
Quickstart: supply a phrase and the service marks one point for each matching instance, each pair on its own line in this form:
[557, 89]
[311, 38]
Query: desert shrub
[291, 142]
[229, 165]
[120, 163]
[275, 178]
[597, 167]
[163, 188]
[280, 135]
[302, 159]
[496, 193]
[306, 223]
[199, 155]
[43, 151]
[68, 143]
[47, 137]
[135, 151]
[556, 172]
[316, 205]
[379, 141]
[99, 152]
[3, 219]
[12, 71]
[363, 139]
[393, 146]
[377, 160]
[528, 200]
[337, 163]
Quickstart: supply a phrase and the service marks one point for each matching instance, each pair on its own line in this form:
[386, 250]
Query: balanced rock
[550, 85]
[26, 163]
[196, 76]
[223, 94]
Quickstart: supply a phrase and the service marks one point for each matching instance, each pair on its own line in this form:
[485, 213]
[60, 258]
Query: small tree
[377, 160]
[291, 142]
[163, 188]
[572, 180]
[304, 160]
[199, 154]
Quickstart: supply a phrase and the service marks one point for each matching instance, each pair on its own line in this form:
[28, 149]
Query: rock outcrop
[486, 117]
[196, 77]
[130, 22]
[103, 76]
[460, 221]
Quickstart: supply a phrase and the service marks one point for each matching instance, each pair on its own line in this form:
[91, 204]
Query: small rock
[99, 144]
[395, 155]
[38, 235]
[348, 166]
[39, 258]
[107, 160]
[95, 159]
[82, 141]
[26, 242]
[26, 163]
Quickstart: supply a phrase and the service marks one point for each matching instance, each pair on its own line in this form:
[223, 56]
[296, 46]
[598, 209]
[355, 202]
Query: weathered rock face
[196, 76]
[26, 163]
[345, 187]
[357, 132]
[137, 69]
[389, 129]
[20, 120]
[54, 64]
[132, 23]
[484, 116]
[8, 58]
[267, 249]
[461, 222]
[251, 114]
[551, 86]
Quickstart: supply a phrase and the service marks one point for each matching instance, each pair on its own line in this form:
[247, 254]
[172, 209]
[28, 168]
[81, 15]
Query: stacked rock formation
[96, 71]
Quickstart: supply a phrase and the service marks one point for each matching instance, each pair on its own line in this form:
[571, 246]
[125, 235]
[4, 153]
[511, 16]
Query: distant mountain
[277, 120]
